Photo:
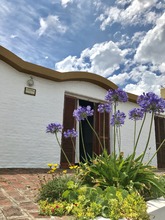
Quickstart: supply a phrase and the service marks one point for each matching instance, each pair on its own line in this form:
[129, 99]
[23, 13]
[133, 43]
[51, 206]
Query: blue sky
[122, 40]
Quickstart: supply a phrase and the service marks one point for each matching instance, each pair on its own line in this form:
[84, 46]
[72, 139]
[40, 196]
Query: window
[160, 136]
[91, 142]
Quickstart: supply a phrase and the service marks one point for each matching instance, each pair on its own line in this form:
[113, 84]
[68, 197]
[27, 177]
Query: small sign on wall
[30, 91]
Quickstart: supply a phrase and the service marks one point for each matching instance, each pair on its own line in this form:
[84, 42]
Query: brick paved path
[18, 194]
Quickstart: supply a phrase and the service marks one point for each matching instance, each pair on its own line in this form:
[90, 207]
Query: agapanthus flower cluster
[81, 113]
[106, 107]
[54, 128]
[115, 96]
[118, 118]
[150, 102]
[136, 114]
[70, 133]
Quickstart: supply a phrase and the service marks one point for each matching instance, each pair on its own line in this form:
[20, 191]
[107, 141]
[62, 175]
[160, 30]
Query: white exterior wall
[23, 118]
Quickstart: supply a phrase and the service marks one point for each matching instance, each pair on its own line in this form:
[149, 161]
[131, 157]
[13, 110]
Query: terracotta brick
[8, 188]
[17, 196]
[3, 183]
[5, 202]
[29, 206]
[10, 211]
[2, 196]
[37, 215]
[23, 190]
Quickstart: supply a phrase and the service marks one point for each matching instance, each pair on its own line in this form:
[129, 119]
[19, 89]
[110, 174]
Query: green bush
[57, 208]
[89, 202]
[153, 193]
[112, 170]
[53, 189]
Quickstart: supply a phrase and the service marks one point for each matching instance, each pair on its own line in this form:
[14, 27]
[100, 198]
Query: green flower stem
[74, 149]
[82, 139]
[135, 147]
[149, 136]
[118, 134]
[95, 133]
[62, 150]
[134, 132]
[114, 141]
[156, 152]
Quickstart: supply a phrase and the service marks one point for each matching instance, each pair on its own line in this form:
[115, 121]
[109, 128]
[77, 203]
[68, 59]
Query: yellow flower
[50, 165]
[73, 167]
[50, 171]
[64, 171]
[55, 165]
[54, 168]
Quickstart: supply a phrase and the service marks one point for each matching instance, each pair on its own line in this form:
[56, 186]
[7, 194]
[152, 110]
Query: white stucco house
[26, 110]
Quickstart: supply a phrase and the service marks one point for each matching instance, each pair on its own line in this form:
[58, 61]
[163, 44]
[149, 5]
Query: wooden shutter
[99, 127]
[68, 123]
[160, 136]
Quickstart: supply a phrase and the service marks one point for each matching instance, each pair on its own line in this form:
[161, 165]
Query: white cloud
[162, 68]
[104, 59]
[110, 15]
[151, 17]
[64, 3]
[119, 79]
[5, 8]
[78, 3]
[70, 63]
[13, 36]
[132, 15]
[51, 24]
[152, 47]
[123, 2]
[148, 81]
[138, 36]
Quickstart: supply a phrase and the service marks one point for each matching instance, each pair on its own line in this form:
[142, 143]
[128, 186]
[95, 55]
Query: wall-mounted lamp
[30, 82]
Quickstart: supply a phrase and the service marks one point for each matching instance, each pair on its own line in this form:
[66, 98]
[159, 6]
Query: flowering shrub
[53, 189]
[70, 133]
[82, 113]
[106, 107]
[118, 118]
[136, 114]
[115, 96]
[57, 208]
[112, 185]
[87, 203]
[150, 102]
[54, 128]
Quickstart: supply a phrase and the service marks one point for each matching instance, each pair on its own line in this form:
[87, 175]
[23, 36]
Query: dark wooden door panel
[68, 123]
[101, 124]
[160, 136]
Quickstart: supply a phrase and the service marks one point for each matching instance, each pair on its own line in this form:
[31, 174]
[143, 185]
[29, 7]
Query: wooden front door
[160, 136]
[68, 123]
[91, 142]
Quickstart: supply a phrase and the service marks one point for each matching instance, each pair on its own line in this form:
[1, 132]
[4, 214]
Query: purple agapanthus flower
[150, 102]
[118, 118]
[115, 96]
[136, 114]
[106, 107]
[54, 128]
[70, 133]
[81, 113]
